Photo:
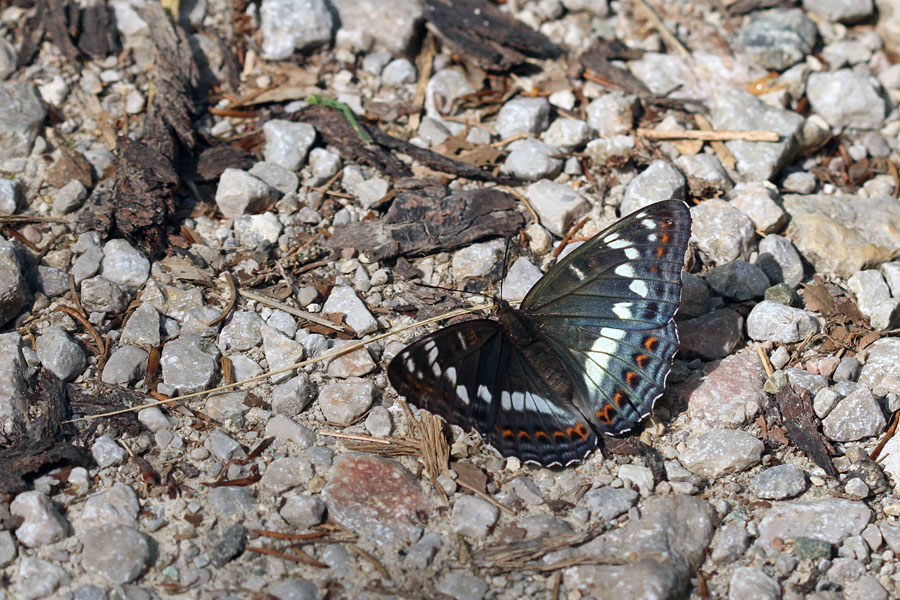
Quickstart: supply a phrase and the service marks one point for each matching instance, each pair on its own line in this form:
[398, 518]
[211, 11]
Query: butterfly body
[587, 351]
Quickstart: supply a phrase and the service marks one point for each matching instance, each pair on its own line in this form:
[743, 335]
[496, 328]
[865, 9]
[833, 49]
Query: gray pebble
[99, 294]
[343, 299]
[293, 396]
[557, 205]
[288, 25]
[771, 321]
[286, 429]
[69, 197]
[344, 402]
[116, 553]
[42, 523]
[189, 364]
[302, 512]
[126, 364]
[738, 279]
[716, 452]
[240, 193]
[522, 115]
[60, 354]
[124, 265]
[142, 327]
[608, 502]
[779, 482]
[531, 159]
[473, 517]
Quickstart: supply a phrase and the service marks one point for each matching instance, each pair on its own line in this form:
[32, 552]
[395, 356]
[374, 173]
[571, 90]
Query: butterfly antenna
[503, 270]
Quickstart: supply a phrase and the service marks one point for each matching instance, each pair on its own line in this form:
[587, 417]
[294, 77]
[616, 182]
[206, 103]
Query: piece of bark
[213, 160]
[802, 429]
[147, 168]
[336, 130]
[632, 446]
[96, 37]
[46, 442]
[431, 220]
[492, 39]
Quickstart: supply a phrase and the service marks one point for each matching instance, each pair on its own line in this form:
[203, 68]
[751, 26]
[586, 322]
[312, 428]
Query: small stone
[639, 476]
[557, 205]
[738, 279]
[757, 201]
[241, 193]
[603, 150]
[124, 265]
[856, 417]
[704, 173]
[36, 578]
[227, 545]
[23, 115]
[242, 332]
[289, 25]
[857, 488]
[69, 197]
[520, 279]
[777, 39]
[155, 419]
[473, 517]
[283, 180]
[394, 25]
[462, 586]
[293, 589]
[716, 452]
[824, 402]
[228, 501]
[344, 300]
[771, 321]
[281, 352]
[107, 452]
[531, 159]
[829, 519]
[522, 115]
[779, 482]
[845, 11]
[881, 362]
[567, 134]
[284, 474]
[116, 553]
[60, 354]
[126, 364]
[293, 396]
[346, 401]
[847, 370]
[378, 422]
[827, 93]
[398, 71]
[751, 582]
[142, 327]
[782, 293]
[612, 114]
[324, 166]
[377, 498]
[726, 393]
[42, 524]
[608, 502]
[721, 231]
[188, 364]
[99, 294]
[811, 549]
[660, 181]
[286, 429]
[799, 182]
[447, 85]
[806, 380]
[303, 512]
[729, 543]
[476, 260]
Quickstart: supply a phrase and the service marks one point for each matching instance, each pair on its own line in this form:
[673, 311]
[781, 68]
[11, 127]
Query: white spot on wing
[463, 394]
[599, 356]
[518, 401]
[462, 340]
[648, 224]
[617, 244]
[429, 345]
[432, 355]
[624, 271]
[639, 287]
[578, 272]
[622, 310]
[652, 237]
[632, 253]
[436, 369]
[451, 375]
[505, 401]
[410, 365]
[484, 393]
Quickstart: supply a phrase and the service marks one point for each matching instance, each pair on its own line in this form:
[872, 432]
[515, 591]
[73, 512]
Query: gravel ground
[767, 469]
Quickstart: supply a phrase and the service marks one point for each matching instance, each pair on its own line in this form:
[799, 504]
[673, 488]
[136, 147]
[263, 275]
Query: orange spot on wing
[630, 377]
[618, 398]
[559, 434]
[507, 434]
[582, 431]
[642, 360]
[655, 269]
[651, 343]
[541, 434]
[603, 415]
[660, 251]
[524, 435]
[665, 238]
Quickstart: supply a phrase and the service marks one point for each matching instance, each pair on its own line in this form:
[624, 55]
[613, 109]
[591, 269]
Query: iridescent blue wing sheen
[607, 311]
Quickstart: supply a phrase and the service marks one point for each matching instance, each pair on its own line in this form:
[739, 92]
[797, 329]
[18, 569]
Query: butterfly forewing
[608, 308]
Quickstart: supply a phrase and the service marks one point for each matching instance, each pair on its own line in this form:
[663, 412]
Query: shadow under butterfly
[587, 352]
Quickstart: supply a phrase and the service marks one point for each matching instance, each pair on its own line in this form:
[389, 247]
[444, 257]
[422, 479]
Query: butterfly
[587, 351]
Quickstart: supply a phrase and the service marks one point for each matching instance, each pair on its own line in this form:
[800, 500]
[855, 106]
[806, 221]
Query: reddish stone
[71, 165]
[377, 498]
[726, 393]
[711, 336]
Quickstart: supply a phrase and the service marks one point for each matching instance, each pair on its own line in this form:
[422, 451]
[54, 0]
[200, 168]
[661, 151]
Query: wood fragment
[492, 39]
[764, 359]
[568, 237]
[750, 135]
[431, 219]
[887, 436]
[232, 300]
[300, 556]
[486, 497]
[800, 421]
[725, 155]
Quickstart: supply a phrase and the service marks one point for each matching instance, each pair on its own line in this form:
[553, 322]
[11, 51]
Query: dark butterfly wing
[606, 310]
[474, 376]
